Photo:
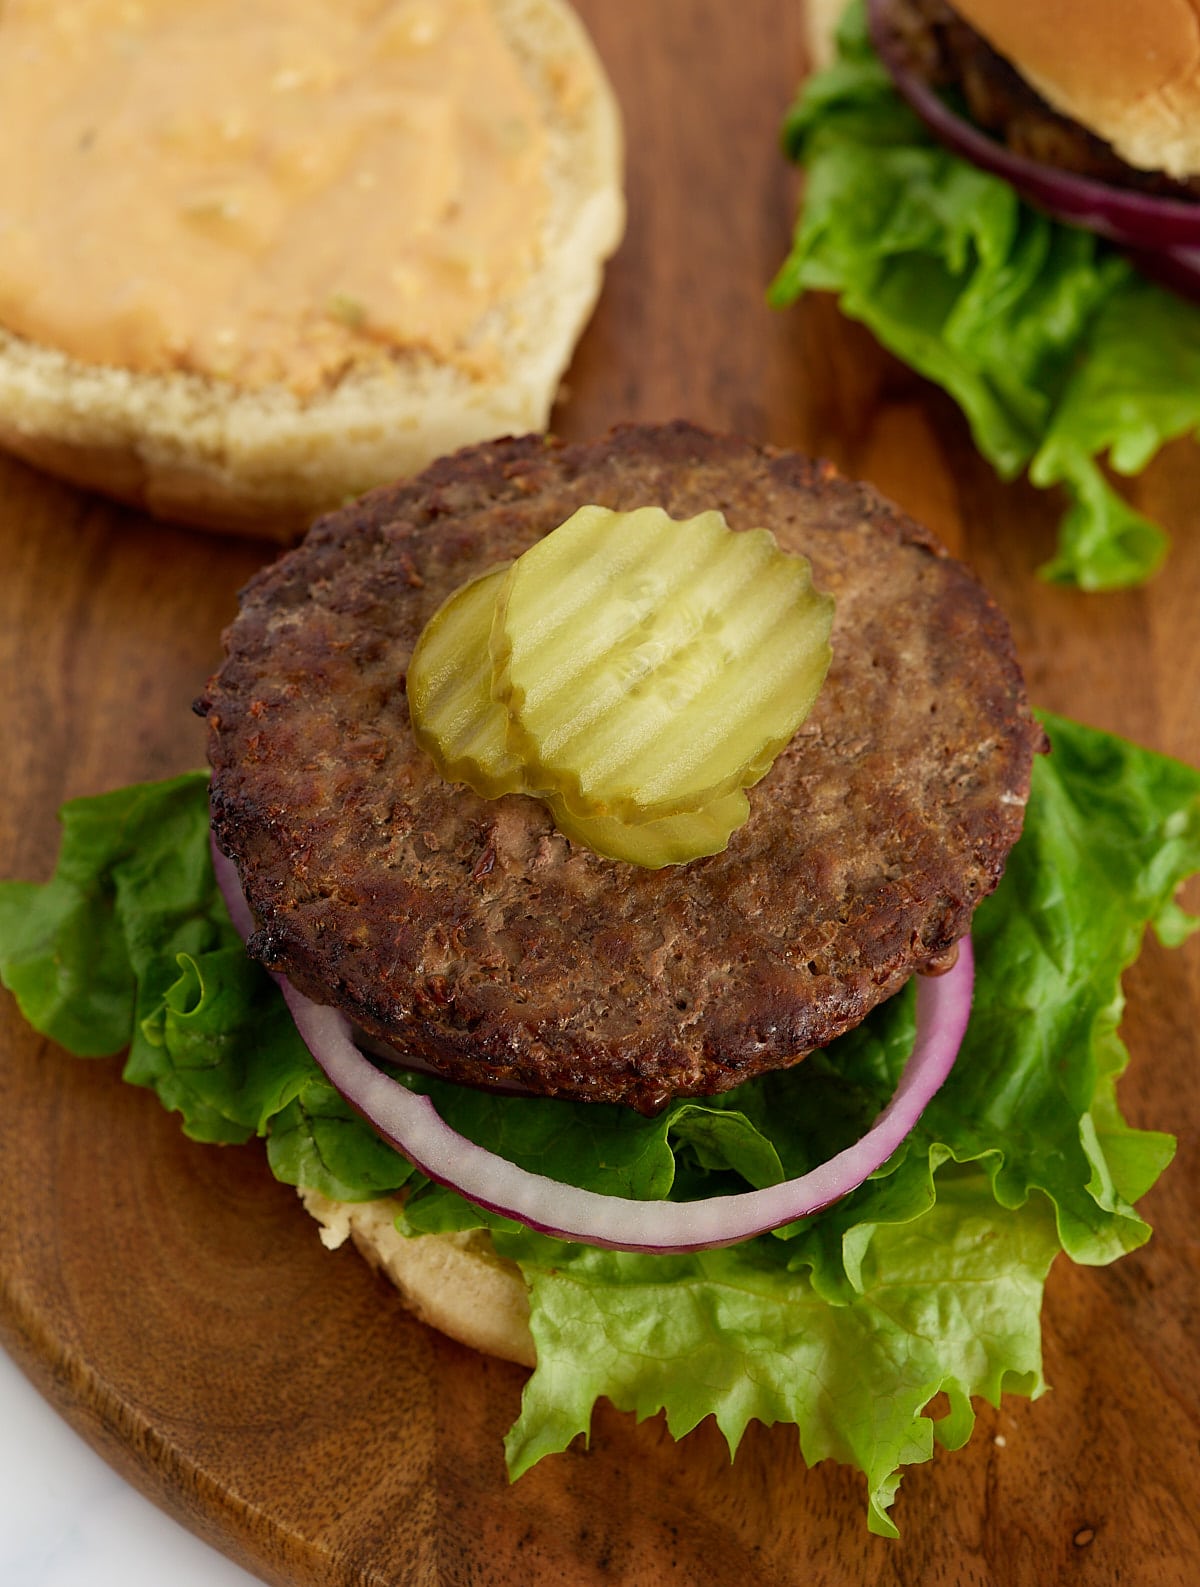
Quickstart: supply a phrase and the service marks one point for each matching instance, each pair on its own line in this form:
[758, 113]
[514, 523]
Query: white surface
[68, 1520]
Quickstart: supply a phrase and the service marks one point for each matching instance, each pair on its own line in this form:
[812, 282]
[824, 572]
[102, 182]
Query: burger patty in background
[469, 933]
[945, 51]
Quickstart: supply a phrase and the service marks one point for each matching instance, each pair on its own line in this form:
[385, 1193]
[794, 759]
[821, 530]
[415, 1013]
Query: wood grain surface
[172, 1300]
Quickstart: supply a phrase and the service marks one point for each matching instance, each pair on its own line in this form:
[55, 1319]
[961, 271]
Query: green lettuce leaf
[129, 945]
[133, 887]
[1057, 352]
[747, 1337]
[927, 1280]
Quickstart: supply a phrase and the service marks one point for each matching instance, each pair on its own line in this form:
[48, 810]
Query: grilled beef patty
[468, 932]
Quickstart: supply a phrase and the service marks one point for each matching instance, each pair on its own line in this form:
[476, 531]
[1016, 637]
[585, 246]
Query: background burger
[996, 190]
[1104, 92]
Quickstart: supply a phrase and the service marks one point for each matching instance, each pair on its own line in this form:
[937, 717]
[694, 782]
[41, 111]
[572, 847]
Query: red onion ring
[1177, 269]
[1128, 217]
[411, 1123]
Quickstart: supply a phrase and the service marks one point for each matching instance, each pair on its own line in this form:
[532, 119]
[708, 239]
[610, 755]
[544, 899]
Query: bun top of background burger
[256, 259]
[997, 190]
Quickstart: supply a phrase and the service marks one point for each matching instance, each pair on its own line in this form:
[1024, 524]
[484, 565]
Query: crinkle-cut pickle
[454, 718]
[464, 731]
[651, 666]
[671, 840]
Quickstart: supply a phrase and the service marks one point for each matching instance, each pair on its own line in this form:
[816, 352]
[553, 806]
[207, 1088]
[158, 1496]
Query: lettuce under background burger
[870, 1325]
[1063, 356]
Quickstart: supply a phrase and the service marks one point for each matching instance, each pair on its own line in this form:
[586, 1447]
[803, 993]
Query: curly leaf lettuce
[744, 1335]
[925, 1281]
[1056, 351]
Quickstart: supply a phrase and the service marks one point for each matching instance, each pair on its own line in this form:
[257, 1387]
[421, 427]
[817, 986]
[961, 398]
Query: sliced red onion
[411, 1123]
[1136, 219]
[230, 884]
[1177, 269]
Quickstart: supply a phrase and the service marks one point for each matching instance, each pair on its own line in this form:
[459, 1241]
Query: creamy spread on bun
[256, 259]
[268, 192]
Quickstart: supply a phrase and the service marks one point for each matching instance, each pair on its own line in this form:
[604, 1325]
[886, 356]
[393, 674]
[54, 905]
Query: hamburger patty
[469, 933]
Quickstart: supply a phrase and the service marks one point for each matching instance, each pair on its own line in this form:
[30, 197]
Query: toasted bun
[1129, 73]
[265, 462]
[454, 1282]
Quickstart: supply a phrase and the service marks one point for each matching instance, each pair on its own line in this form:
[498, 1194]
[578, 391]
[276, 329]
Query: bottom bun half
[454, 1282]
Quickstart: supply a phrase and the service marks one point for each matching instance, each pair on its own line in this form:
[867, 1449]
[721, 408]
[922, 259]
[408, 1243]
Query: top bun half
[266, 458]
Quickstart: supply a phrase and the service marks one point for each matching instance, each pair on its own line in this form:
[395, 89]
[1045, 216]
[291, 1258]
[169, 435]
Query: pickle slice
[671, 840]
[464, 731]
[454, 718]
[650, 666]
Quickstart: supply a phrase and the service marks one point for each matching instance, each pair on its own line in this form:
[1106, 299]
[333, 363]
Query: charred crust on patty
[470, 933]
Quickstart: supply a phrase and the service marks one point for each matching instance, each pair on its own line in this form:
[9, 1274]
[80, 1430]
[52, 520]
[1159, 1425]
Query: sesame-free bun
[265, 460]
[1129, 73]
[454, 1282]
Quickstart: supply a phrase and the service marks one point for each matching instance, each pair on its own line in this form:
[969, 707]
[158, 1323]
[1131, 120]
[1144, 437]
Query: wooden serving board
[172, 1300]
